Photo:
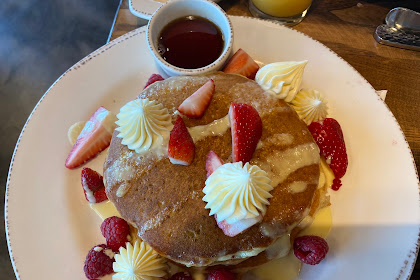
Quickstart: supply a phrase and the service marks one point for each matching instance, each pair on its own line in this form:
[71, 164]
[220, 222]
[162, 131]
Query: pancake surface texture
[164, 201]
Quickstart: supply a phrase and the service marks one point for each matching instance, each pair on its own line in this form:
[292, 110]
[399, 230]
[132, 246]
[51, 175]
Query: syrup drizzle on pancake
[280, 164]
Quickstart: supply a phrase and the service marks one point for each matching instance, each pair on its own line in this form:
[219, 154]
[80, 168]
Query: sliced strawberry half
[181, 148]
[93, 186]
[94, 138]
[246, 128]
[213, 161]
[153, 79]
[195, 105]
[329, 137]
[241, 63]
[237, 227]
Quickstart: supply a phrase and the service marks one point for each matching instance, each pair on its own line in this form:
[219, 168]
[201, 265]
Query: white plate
[146, 8]
[50, 227]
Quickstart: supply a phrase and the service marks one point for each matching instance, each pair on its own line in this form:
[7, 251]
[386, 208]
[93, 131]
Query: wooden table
[346, 27]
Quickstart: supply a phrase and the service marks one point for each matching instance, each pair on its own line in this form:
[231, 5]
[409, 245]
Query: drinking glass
[287, 12]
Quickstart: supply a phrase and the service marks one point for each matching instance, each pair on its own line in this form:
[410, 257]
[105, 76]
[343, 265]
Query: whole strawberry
[329, 137]
[116, 232]
[98, 262]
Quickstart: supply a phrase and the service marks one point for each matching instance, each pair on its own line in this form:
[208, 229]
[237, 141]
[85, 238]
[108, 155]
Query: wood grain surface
[346, 27]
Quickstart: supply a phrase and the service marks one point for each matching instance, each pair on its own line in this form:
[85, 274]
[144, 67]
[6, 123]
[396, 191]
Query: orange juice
[282, 8]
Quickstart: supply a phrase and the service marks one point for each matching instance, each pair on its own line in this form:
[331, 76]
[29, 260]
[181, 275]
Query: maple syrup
[190, 42]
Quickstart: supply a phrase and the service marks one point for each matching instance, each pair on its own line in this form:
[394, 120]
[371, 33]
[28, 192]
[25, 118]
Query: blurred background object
[40, 40]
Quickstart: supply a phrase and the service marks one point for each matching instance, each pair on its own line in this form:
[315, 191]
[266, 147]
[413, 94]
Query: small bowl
[175, 9]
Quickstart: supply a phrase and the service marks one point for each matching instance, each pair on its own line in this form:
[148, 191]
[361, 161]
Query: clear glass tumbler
[287, 12]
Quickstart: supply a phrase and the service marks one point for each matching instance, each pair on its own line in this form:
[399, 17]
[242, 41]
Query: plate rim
[141, 30]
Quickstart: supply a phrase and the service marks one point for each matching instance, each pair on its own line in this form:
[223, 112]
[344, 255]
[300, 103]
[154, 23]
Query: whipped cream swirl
[144, 125]
[310, 105]
[281, 79]
[138, 262]
[235, 192]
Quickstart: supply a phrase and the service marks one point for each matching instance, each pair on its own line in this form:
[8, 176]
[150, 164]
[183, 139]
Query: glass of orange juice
[287, 12]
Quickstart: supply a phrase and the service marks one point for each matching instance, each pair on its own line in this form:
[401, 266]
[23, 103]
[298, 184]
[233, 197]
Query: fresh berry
[237, 227]
[241, 63]
[329, 137]
[116, 232]
[181, 147]
[213, 161]
[153, 79]
[98, 262]
[92, 179]
[195, 105]
[93, 186]
[94, 138]
[181, 276]
[221, 274]
[310, 249]
[246, 128]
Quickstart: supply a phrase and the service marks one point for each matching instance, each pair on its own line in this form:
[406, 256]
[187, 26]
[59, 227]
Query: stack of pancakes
[164, 203]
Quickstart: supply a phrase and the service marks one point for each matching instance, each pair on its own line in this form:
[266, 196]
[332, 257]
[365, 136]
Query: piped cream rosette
[144, 126]
[235, 192]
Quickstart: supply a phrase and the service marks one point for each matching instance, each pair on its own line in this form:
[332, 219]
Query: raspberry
[221, 274]
[92, 179]
[115, 230]
[152, 79]
[98, 262]
[310, 249]
[93, 186]
[181, 276]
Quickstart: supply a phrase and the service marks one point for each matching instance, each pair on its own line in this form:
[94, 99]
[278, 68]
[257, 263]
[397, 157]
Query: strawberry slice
[241, 63]
[329, 137]
[213, 161]
[94, 138]
[237, 227]
[195, 105]
[153, 79]
[93, 186]
[181, 147]
[246, 128]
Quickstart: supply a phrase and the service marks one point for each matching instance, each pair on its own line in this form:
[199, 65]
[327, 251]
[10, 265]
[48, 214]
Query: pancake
[164, 201]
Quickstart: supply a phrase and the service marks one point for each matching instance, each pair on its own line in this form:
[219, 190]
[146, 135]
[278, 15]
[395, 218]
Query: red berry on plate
[310, 249]
[241, 63]
[94, 138]
[153, 79]
[98, 262]
[181, 276]
[116, 232]
[221, 274]
[329, 137]
[196, 104]
[181, 148]
[92, 179]
[213, 161]
[93, 186]
[246, 128]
